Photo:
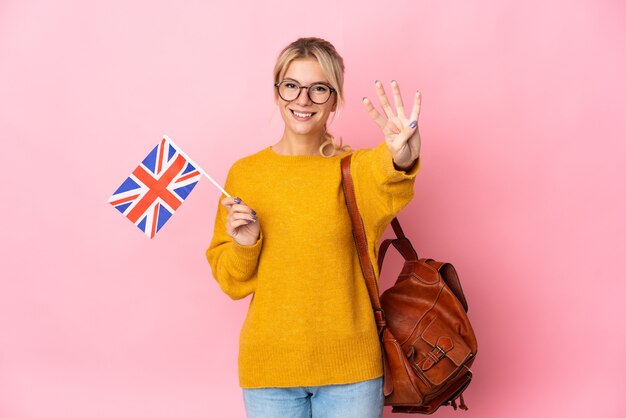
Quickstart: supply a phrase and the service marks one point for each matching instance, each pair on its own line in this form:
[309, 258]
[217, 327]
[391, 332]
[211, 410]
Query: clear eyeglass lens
[319, 93]
[289, 90]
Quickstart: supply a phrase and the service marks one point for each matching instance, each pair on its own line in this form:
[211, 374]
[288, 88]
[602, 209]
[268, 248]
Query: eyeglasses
[318, 93]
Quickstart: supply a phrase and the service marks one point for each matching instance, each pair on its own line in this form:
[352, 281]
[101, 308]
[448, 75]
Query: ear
[334, 108]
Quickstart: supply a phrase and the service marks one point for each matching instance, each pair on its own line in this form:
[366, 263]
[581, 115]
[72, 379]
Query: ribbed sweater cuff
[389, 168]
[247, 256]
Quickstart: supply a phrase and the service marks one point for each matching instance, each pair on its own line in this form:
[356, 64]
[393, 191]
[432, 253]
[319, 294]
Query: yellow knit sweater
[310, 320]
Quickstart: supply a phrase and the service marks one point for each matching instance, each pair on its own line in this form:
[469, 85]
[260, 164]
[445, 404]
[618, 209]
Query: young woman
[309, 346]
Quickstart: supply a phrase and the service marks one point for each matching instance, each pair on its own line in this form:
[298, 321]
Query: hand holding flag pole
[158, 186]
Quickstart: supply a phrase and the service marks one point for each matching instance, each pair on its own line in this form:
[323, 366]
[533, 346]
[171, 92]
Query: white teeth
[302, 115]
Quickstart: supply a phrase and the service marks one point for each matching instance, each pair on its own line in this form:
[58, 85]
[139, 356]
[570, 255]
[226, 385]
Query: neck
[294, 144]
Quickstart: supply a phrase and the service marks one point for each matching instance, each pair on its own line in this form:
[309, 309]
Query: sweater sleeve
[234, 266]
[382, 191]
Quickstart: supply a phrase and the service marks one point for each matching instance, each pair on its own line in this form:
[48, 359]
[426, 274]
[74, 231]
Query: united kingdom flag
[157, 187]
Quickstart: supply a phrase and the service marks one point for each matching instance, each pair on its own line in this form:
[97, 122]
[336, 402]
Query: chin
[306, 131]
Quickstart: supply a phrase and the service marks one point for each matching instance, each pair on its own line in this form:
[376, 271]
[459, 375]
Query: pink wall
[521, 187]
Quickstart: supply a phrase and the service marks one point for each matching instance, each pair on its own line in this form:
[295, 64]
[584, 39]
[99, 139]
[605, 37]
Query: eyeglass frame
[277, 85]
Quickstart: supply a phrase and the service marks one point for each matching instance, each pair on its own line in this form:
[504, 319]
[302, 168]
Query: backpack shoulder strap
[358, 230]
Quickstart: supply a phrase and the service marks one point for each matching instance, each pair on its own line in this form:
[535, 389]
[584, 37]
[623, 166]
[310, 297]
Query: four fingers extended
[380, 120]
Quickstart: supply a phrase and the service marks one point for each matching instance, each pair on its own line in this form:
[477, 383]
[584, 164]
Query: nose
[303, 97]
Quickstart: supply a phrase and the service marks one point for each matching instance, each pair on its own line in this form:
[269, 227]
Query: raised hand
[401, 132]
[241, 222]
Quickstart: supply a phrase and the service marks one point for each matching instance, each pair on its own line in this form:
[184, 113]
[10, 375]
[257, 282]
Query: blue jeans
[355, 400]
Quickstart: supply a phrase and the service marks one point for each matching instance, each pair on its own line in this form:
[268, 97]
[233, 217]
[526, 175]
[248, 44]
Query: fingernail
[413, 124]
[377, 82]
[394, 82]
[254, 218]
[364, 98]
[252, 212]
[237, 200]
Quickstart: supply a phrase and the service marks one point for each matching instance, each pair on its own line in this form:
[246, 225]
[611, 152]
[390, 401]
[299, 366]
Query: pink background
[521, 188]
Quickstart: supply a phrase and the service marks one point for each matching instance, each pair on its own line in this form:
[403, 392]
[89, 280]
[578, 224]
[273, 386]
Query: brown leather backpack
[427, 340]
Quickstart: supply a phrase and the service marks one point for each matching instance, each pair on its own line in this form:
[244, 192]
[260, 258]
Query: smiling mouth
[302, 115]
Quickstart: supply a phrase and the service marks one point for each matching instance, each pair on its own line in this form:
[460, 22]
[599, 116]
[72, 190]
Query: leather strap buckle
[441, 353]
[433, 357]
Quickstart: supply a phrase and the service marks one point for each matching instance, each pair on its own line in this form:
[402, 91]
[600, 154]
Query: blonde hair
[332, 67]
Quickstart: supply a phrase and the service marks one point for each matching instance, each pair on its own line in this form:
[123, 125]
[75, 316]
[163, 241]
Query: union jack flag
[157, 187]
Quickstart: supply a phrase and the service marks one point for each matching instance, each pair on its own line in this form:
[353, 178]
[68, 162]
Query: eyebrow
[315, 82]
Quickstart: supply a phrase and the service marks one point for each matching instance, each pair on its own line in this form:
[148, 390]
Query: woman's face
[302, 116]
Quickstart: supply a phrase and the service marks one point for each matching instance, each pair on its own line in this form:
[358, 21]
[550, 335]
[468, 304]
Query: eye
[290, 85]
[320, 88]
